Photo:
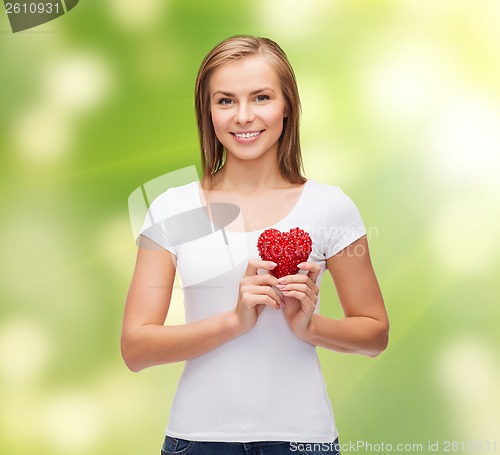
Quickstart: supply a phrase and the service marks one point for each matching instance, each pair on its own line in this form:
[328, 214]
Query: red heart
[287, 249]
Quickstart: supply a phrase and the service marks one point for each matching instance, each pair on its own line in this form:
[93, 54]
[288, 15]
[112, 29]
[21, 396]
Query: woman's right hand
[256, 291]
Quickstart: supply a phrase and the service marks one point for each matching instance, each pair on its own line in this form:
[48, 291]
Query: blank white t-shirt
[267, 384]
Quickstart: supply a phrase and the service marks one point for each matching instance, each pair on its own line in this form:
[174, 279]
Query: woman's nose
[244, 114]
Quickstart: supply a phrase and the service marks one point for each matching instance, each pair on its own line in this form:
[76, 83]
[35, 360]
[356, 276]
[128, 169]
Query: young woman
[252, 382]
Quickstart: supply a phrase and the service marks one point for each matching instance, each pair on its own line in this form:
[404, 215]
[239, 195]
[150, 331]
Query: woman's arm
[365, 328]
[145, 341]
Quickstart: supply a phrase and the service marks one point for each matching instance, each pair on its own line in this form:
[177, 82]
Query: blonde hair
[230, 50]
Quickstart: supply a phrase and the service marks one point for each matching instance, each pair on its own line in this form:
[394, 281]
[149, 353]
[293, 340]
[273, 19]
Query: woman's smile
[247, 137]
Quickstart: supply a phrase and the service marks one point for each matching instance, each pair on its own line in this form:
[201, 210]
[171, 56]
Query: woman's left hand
[300, 295]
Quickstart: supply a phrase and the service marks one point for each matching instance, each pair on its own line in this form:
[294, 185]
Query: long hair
[230, 50]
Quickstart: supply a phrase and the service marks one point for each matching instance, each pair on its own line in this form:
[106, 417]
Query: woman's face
[247, 107]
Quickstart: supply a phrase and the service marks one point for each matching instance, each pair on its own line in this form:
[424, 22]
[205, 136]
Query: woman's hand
[256, 291]
[300, 295]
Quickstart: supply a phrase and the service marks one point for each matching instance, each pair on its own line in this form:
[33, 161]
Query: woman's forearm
[355, 334]
[149, 345]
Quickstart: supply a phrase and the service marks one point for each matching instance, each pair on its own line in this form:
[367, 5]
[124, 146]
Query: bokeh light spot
[403, 78]
[25, 350]
[77, 82]
[72, 421]
[134, 15]
[118, 247]
[464, 138]
[282, 16]
[464, 235]
[42, 134]
[467, 370]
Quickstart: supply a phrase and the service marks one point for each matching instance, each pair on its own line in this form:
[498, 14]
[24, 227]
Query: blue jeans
[176, 446]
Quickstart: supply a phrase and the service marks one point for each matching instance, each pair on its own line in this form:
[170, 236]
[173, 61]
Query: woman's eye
[225, 101]
[262, 98]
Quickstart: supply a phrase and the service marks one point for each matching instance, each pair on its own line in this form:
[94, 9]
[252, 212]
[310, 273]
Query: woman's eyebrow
[255, 92]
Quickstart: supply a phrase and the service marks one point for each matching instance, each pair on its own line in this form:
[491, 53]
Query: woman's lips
[247, 137]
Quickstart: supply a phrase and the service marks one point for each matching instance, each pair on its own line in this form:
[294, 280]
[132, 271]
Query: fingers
[299, 291]
[254, 265]
[253, 295]
[258, 289]
[265, 279]
[301, 286]
[312, 268]
[301, 281]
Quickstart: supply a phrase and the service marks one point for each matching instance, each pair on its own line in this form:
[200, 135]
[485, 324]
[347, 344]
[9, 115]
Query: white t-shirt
[267, 384]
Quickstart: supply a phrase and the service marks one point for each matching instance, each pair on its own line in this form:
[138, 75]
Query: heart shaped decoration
[287, 249]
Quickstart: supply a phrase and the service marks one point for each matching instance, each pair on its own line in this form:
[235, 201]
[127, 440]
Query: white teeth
[246, 135]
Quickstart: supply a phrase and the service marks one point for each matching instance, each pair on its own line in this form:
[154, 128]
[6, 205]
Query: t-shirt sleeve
[344, 222]
[156, 226]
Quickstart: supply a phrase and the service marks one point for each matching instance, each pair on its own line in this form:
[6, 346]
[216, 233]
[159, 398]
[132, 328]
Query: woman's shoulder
[323, 189]
[332, 197]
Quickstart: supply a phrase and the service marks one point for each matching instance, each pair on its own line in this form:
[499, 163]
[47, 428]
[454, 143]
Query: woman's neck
[248, 176]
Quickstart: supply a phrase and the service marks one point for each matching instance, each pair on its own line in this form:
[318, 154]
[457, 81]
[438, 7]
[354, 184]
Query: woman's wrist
[308, 333]
[234, 325]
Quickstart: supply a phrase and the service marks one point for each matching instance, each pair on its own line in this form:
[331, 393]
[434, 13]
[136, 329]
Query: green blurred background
[401, 108]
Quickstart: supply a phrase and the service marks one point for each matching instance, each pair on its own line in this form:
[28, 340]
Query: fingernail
[281, 286]
[282, 280]
[283, 303]
[272, 264]
[301, 265]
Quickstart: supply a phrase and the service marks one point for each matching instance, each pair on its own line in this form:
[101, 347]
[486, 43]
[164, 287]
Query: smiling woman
[252, 377]
[244, 114]
[276, 82]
